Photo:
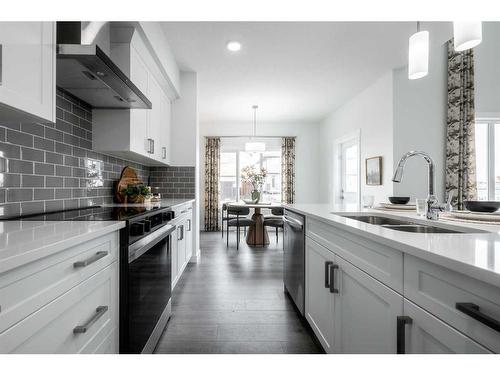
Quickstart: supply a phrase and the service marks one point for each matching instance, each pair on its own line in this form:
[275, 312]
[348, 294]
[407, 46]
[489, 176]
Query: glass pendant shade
[418, 55]
[467, 34]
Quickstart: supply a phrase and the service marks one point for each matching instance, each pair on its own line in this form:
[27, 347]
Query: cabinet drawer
[28, 288]
[438, 290]
[383, 263]
[428, 335]
[183, 209]
[51, 329]
[109, 345]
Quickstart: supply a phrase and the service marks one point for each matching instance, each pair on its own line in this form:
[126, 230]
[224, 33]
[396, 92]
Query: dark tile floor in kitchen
[233, 302]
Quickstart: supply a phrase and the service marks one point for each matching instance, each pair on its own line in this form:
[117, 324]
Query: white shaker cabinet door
[365, 312]
[319, 299]
[181, 247]
[189, 237]
[139, 118]
[155, 121]
[166, 123]
[174, 259]
[27, 71]
[426, 334]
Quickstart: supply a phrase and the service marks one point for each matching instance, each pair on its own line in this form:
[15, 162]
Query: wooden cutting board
[128, 177]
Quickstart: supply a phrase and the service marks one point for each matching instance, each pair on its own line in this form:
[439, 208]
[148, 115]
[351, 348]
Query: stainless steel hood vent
[87, 72]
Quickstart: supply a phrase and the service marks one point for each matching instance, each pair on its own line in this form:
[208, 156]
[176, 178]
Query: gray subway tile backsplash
[20, 166]
[33, 181]
[47, 165]
[168, 181]
[44, 144]
[31, 154]
[35, 129]
[19, 138]
[18, 195]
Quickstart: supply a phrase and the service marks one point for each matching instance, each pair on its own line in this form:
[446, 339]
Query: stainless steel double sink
[407, 226]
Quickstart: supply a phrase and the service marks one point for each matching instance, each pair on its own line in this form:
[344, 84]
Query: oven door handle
[144, 244]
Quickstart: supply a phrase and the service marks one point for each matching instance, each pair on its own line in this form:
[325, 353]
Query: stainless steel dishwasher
[294, 257]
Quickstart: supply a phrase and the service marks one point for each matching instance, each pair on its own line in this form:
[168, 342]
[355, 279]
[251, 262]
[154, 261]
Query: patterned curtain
[288, 169]
[460, 132]
[212, 162]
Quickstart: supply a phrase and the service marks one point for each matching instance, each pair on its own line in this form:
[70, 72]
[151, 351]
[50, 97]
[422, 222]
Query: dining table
[260, 238]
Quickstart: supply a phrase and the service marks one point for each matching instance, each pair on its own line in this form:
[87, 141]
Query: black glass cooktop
[92, 213]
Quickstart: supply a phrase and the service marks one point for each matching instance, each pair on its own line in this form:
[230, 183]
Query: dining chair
[240, 220]
[274, 221]
[226, 217]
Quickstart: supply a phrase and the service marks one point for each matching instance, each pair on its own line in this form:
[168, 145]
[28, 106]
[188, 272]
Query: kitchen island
[372, 289]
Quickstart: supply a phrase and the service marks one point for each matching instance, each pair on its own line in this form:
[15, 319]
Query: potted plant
[136, 193]
[256, 179]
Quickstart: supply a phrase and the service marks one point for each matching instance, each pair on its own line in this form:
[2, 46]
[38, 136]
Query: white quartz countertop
[22, 242]
[474, 254]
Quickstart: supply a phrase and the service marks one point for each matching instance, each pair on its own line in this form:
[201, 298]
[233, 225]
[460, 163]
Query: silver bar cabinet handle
[92, 259]
[100, 311]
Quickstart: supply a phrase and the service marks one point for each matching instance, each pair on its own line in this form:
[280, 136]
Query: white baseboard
[196, 257]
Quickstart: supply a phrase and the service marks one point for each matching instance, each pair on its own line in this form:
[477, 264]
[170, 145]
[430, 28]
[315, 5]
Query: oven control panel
[143, 225]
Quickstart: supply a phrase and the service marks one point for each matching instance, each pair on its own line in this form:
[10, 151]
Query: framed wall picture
[374, 171]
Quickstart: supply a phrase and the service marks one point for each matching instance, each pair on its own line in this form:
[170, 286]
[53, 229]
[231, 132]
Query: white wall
[420, 108]
[307, 152]
[487, 72]
[372, 112]
[184, 122]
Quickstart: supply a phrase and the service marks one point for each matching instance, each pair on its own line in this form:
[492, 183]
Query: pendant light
[255, 146]
[467, 34]
[418, 54]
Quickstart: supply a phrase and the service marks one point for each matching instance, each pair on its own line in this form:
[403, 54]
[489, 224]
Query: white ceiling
[294, 71]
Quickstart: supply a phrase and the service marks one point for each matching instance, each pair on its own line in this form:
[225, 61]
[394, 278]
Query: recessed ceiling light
[233, 46]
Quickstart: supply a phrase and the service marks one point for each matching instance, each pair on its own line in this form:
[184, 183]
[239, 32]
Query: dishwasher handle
[294, 223]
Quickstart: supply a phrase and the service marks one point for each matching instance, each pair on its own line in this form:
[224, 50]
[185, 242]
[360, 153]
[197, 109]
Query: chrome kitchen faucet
[432, 205]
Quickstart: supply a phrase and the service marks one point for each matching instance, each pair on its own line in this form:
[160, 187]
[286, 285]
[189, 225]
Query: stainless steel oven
[146, 288]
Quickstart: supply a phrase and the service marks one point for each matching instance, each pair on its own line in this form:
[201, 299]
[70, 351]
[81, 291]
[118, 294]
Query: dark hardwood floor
[233, 302]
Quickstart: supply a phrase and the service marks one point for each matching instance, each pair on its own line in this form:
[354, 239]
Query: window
[271, 161]
[234, 159]
[488, 159]
[228, 176]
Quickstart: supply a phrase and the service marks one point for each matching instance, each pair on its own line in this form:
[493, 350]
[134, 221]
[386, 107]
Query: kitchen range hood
[86, 71]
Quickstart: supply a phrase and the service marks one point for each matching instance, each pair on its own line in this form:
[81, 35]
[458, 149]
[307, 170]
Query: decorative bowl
[399, 200]
[250, 201]
[482, 206]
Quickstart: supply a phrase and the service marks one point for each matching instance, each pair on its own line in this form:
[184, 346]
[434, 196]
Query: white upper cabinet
[136, 134]
[165, 134]
[27, 71]
[155, 120]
